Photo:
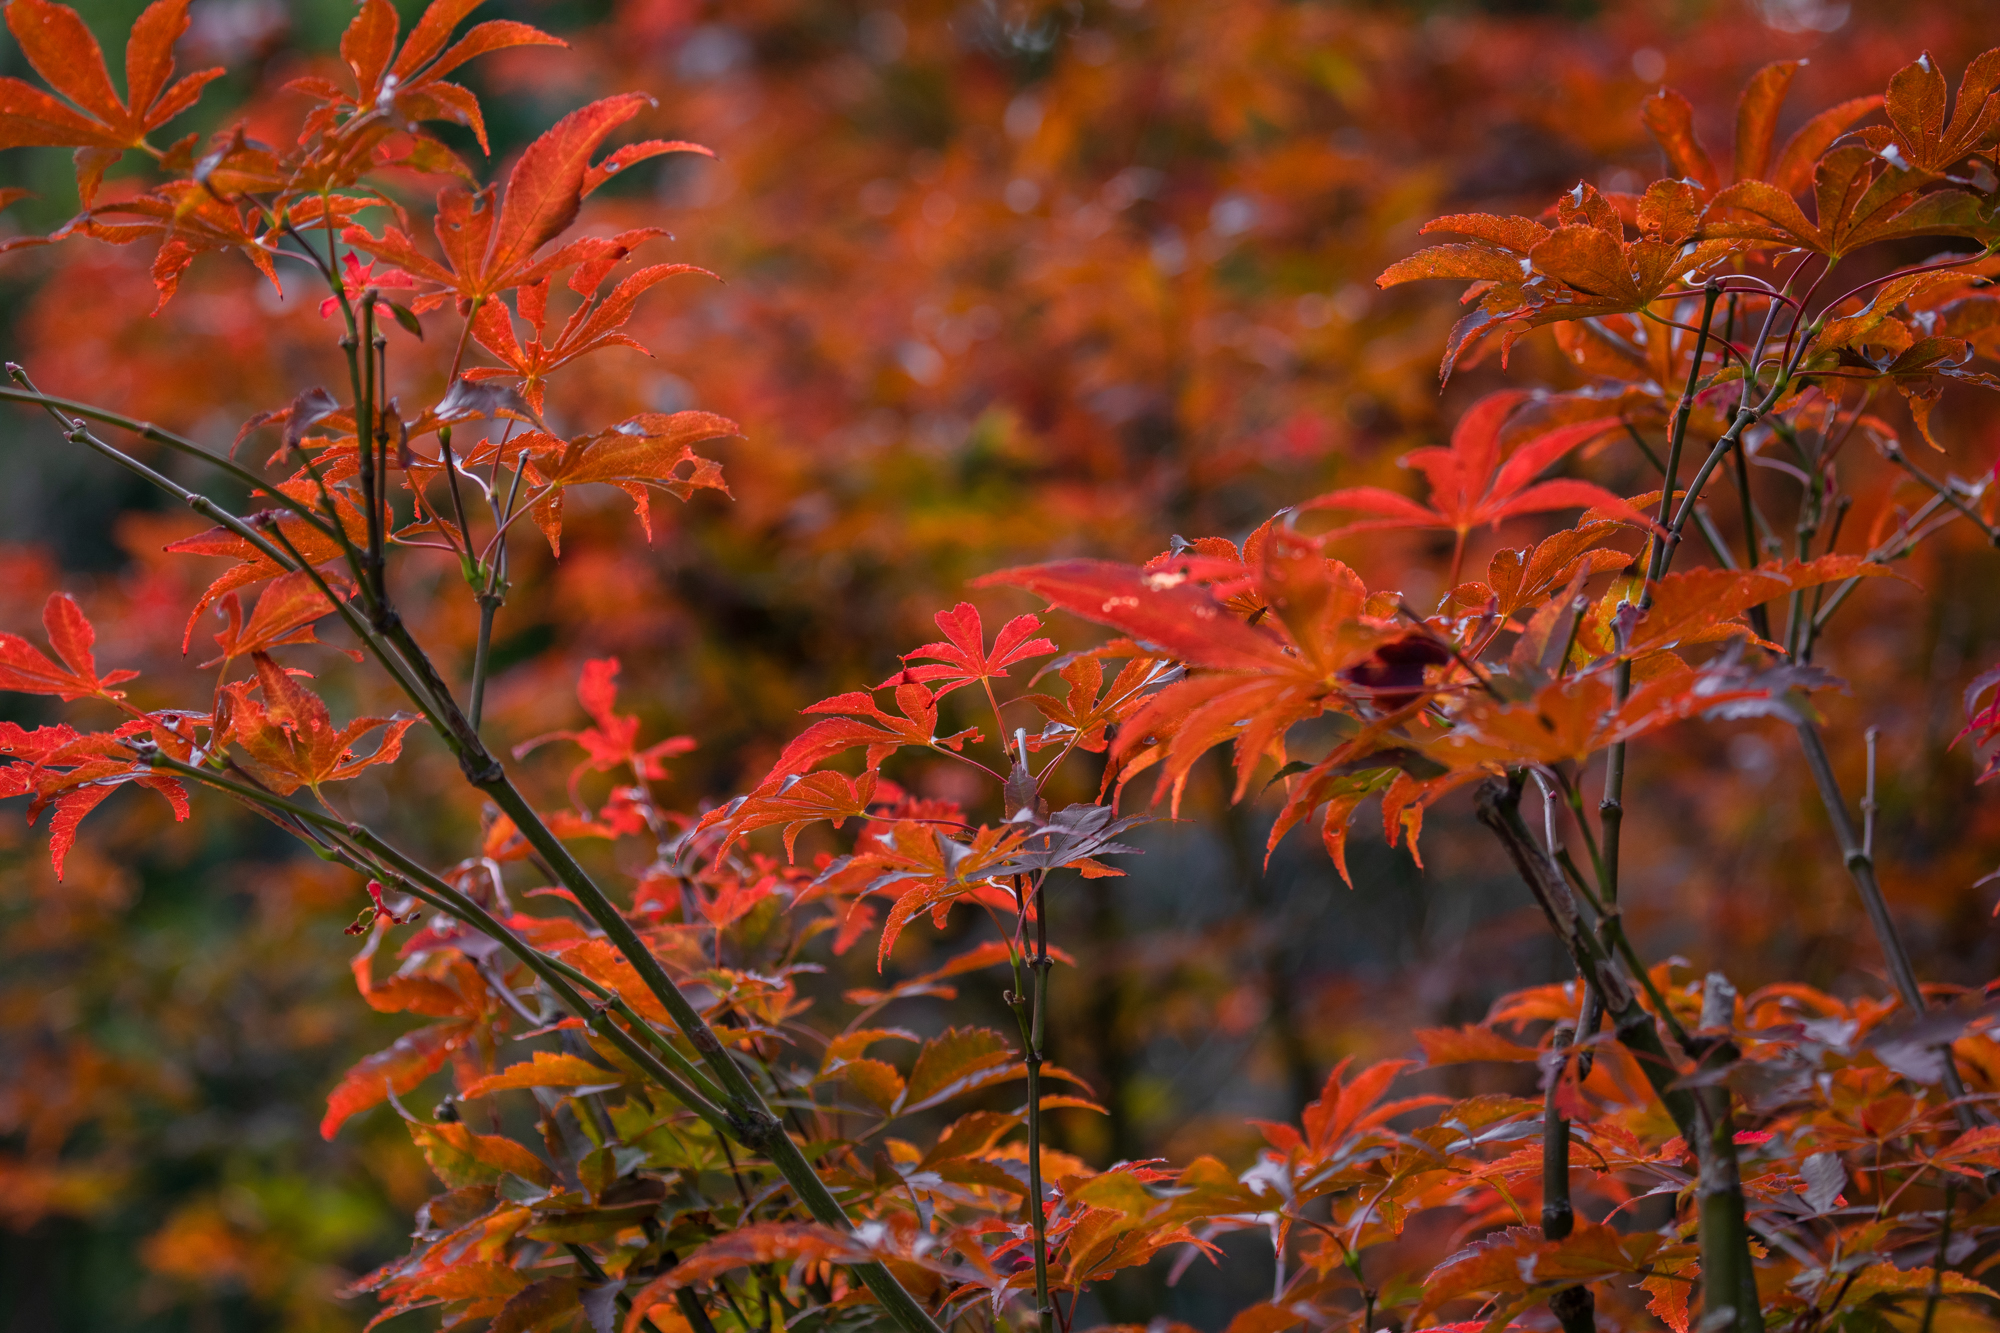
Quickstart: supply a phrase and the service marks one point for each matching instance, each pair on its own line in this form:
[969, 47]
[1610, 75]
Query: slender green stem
[145, 430]
[1861, 868]
[488, 607]
[1810, 508]
[1574, 1307]
[1040, 964]
[1558, 1214]
[1760, 618]
[361, 377]
[1611, 809]
[1611, 935]
[1677, 437]
[372, 856]
[1728, 1272]
[457, 498]
[1498, 803]
[1936, 1288]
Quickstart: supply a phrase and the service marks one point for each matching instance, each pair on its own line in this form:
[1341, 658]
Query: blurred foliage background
[998, 281]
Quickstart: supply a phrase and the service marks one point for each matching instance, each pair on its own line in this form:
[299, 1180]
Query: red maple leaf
[1477, 481]
[95, 121]
[284, 615]
[869, 725]
[74, 772]
[614, 740]
[410, 85]
[962, 657]
[594, 326]
[288, 735]
[23, 667]
[490, 248]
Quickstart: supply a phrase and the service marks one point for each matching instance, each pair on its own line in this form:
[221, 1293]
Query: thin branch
[1872, 735]
[1726, 1256]
[1944, 490]
[372, 856]
[1861, 867]
[145, 430]
[1611, 809]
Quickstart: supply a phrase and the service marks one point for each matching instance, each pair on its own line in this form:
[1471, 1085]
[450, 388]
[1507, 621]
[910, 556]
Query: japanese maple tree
[711, 1143]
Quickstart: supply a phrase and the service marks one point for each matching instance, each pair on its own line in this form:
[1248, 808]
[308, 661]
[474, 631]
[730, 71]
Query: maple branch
[361, 372]
[1871, 737]
[1936, 1287]
[1575, 1308]
[750, 1119]
[1497, 802]
[493, 595]
[384, 405]
[1677, 436]
[1558, 1214]
[498, 540]
[1795, 347]
[1498, 805]
[1745, 418]
[1728, 1272]
[457, 499]
[491, 598]
[1036, 1028]
[378, 859]
[1861, 868]
[146, 430]
[1611, 809]
[1811, 510]
[1611, 935]
[488, 607]
[1944, 490]
[1899, 543]
[286, 558]
[1760, 620]
[1709, 533]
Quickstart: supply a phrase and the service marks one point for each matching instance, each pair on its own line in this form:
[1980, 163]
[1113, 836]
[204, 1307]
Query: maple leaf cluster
[714, 1141]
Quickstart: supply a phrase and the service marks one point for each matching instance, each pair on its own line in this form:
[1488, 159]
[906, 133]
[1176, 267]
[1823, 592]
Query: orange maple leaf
[95, 121]
[1476, 480]
[288, 735]
[491, 248]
